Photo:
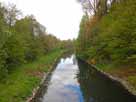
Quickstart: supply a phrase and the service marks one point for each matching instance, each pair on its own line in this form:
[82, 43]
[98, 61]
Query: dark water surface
[78, 82]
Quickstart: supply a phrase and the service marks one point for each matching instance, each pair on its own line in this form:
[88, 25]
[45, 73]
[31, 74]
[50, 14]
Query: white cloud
[60, 17]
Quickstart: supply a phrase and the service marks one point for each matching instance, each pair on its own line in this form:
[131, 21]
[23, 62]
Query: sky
[60, 17]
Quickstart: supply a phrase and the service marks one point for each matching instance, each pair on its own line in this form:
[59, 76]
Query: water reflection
[79, 82]
[63, 86]
[98, 88]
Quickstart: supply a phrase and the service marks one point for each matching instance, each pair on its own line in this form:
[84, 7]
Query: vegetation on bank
[27, 51]
[107, 36]
[22, 39]
[19, 83]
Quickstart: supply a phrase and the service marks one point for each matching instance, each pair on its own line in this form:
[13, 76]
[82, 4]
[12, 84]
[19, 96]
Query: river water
[76, 81]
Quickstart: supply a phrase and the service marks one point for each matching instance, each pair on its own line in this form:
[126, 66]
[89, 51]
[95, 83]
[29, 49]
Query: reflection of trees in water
[98, 88]
[43, 89]
[84, 80]
[67, 54]
[74, 60]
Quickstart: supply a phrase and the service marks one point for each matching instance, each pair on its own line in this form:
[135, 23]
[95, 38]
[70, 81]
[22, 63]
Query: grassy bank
[126, 73]
[20, 82]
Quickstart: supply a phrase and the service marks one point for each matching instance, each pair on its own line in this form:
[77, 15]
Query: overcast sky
[60, 17]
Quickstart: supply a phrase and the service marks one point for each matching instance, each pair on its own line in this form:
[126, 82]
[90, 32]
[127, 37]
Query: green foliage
[113, 37]
[21, 40]
[14, 51]
[3, 70]
[19, 84]
[3, 39]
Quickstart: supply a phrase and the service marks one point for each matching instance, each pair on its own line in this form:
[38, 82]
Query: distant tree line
[108, 32]
[22, 39]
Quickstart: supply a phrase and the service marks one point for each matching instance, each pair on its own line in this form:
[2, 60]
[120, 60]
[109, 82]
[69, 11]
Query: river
[76, 81]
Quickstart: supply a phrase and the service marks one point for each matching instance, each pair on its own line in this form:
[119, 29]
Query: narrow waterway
[76, 81]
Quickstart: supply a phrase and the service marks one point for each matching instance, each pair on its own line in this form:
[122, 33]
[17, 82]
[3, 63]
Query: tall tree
[11, 14]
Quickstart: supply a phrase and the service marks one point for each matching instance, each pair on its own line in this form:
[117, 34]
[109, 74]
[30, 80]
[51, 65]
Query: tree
[11, 14]
[21, 39]
[97, 7]
[112, 38]
[4, 33]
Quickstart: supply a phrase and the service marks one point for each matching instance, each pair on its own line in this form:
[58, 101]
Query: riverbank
[123, 75]
[126, 75]
[19, 84]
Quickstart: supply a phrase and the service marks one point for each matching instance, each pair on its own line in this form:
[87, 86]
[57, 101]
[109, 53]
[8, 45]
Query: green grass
[19, 84]
[132, 80]
[105, 67]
